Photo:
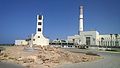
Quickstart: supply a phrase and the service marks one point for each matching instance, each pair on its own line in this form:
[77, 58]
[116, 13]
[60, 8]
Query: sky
[61, 18]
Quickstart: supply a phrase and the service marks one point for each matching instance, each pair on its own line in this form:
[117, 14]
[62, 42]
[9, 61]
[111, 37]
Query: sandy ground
[43, 57]
[108, 60]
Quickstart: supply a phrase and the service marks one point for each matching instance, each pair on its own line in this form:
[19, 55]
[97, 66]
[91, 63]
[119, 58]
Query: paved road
[111, 60]
[9, 65]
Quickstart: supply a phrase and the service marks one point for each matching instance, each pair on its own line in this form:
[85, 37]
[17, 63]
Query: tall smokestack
[81, 19]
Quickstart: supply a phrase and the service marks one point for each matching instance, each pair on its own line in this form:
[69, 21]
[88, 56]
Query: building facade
[109, 40]
[93, 38]
[38, 38]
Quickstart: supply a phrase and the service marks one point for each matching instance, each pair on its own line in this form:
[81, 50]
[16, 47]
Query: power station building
[89, 38]
[92, 38]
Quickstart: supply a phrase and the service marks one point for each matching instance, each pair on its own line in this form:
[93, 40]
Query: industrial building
[93, 38]
[83, 38]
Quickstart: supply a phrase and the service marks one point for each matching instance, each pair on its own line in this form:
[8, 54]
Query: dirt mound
[42, 57]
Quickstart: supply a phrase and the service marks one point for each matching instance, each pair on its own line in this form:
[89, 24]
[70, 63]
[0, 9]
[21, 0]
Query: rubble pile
[43, 57]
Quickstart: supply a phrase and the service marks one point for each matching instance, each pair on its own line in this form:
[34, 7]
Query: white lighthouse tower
[39, 28]
[81, 20]
[39, 38]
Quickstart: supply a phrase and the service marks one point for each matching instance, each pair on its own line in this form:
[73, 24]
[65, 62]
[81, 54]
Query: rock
[28, 60]
[47, 65]
[5, 55]
[40, 56]
[1, 54]
[19, 59]
[39, 61]
[32, 57]
[46, 60]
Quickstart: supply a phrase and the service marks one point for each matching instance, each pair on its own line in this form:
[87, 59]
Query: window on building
[33, 39]
[99, 42]
[38, 36]
[39, 29]
[39, 23]
[113, 43]
[40, 17]
[87, 40]
[106, 43]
